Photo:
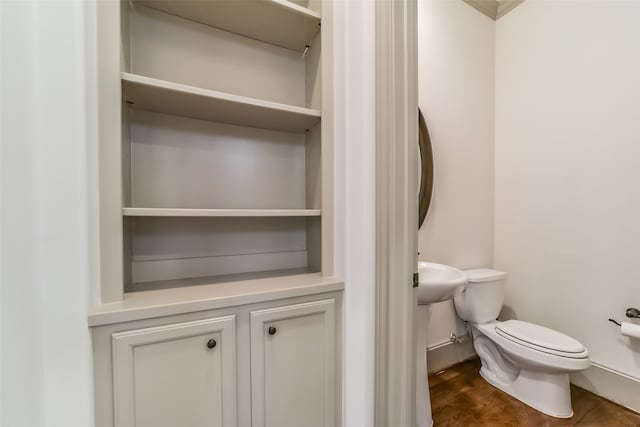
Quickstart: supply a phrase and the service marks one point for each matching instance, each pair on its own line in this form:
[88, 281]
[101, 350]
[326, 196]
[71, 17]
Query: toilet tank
[482, 298]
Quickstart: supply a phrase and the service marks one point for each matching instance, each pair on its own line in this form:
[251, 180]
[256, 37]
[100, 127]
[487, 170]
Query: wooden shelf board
[219, 212]
[278, 22]
[161, 96]
[189, 299]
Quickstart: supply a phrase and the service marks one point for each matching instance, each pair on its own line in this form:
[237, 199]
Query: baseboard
[610, 384]
[447, 354]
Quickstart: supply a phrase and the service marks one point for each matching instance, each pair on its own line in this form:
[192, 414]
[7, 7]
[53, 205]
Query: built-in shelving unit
[279, 22]
[161, 96]
[216, 203]
[228, 213]
[215, 150]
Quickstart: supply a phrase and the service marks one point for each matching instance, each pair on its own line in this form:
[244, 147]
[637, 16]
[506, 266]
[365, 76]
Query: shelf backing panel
[171, 249]
[174, 49]
[178, 162]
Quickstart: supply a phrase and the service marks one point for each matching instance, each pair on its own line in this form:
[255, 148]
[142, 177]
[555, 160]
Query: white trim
[448, 353]
[109, 150]
[488, 8]
[396, 210]
[219, 212]
[492, 8]
[507, 6]
[610, 384]
[327, 140]
[354, 209]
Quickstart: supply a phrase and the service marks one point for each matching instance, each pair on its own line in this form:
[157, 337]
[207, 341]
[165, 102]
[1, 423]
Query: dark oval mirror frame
[426, 169]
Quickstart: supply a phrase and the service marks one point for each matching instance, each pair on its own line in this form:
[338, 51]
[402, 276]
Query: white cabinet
[176, 375]
[293, 373]
[270, 364]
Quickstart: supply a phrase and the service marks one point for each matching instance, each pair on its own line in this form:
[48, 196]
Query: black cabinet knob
[211, 343]
[272, 330]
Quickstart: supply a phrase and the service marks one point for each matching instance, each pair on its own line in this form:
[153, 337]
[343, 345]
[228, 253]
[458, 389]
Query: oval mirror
[426, 169]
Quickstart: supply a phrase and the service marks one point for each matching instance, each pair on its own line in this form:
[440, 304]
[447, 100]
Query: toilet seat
[541, 339]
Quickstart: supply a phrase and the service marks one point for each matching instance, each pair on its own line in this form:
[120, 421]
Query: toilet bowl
[527, 361]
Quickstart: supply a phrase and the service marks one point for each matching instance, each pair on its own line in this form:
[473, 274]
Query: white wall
[456, 96]
[568, 170]
[45, 365]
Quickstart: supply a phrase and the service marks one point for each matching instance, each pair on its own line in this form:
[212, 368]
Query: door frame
[375, 130]
[396, 210]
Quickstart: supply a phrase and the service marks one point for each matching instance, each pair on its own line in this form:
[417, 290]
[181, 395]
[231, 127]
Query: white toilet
[530, 362]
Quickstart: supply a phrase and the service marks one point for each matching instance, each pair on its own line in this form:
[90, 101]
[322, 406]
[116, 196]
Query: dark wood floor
[461, 397]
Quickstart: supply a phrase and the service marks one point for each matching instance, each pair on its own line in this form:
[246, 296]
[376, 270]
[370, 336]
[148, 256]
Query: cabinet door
[293, 365]
[176, 375]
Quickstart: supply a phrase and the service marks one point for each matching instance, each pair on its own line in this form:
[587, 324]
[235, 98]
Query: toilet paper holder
[631, 313]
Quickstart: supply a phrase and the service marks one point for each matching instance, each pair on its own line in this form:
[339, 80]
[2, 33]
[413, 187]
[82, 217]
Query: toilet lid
[540, 338]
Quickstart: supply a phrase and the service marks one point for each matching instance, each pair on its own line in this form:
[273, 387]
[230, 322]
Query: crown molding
[492, 8]
[486, 7]
[507, 6]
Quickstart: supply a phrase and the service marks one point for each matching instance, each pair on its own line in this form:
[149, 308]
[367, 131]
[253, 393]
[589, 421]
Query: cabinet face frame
[125, 343]
[110, 57]
[259, 321]
[112, 60]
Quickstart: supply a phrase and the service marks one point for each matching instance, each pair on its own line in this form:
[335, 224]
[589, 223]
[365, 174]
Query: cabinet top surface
[165, 302]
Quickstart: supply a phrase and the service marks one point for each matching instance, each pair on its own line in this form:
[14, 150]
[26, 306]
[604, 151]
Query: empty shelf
[219, 212]
[278, 22]
[161, 96]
